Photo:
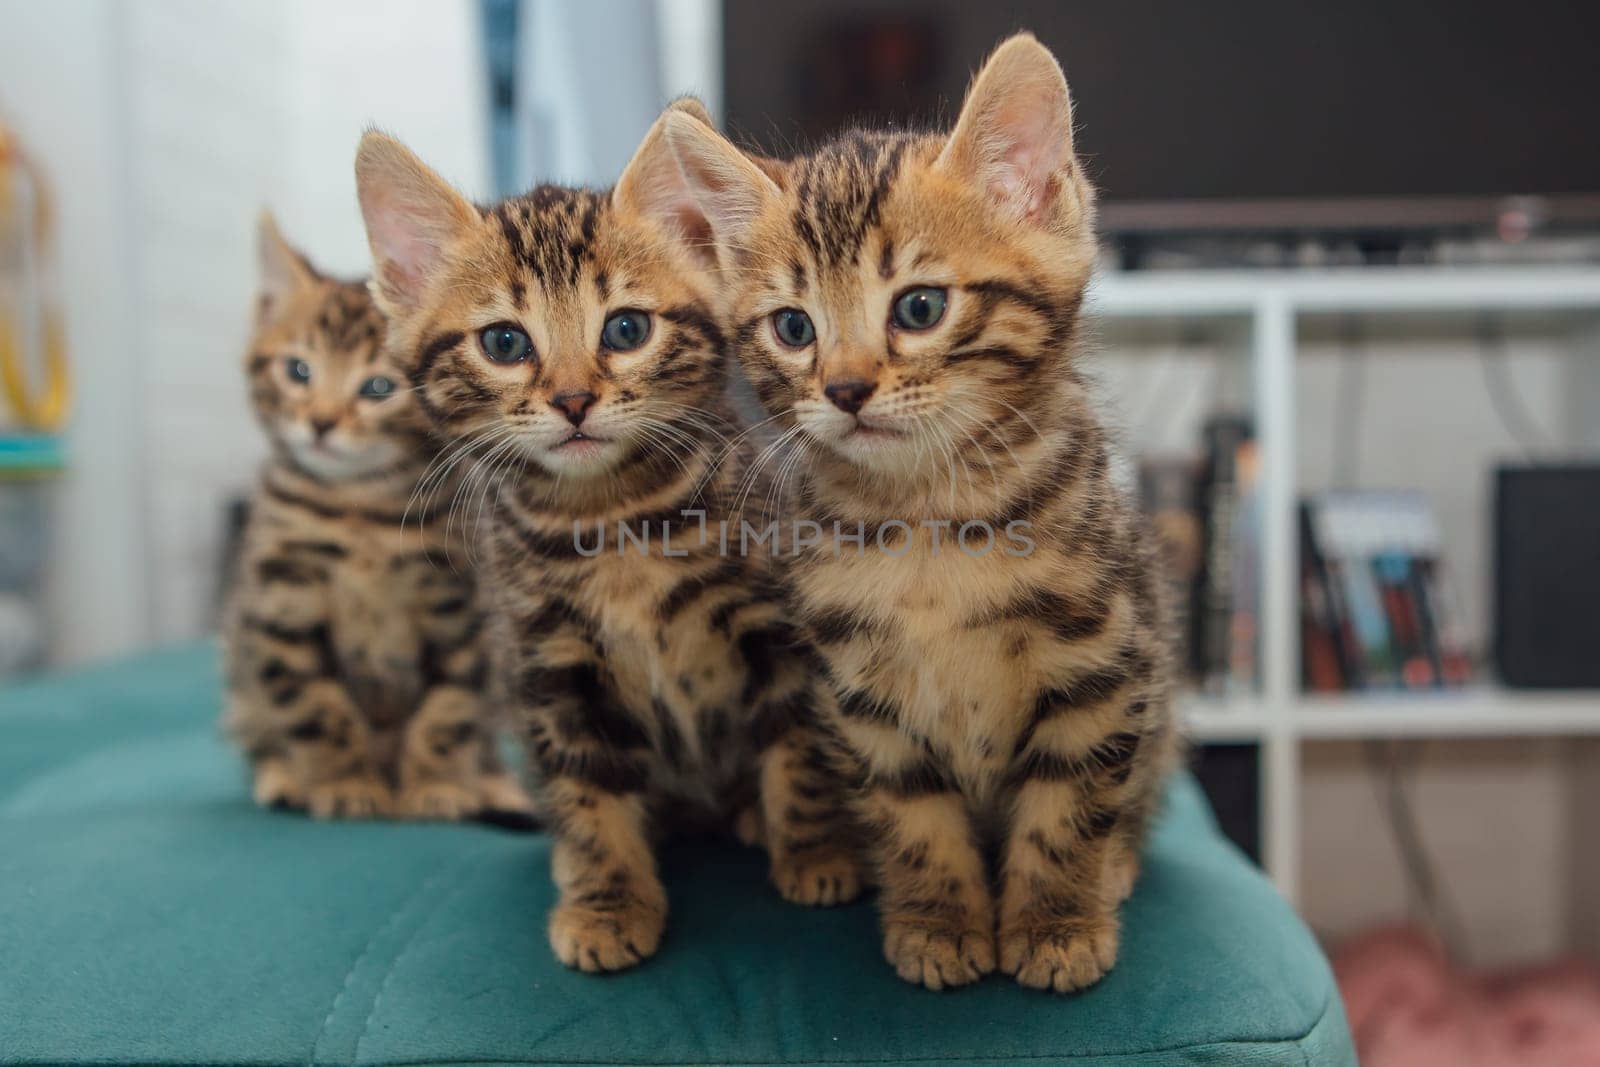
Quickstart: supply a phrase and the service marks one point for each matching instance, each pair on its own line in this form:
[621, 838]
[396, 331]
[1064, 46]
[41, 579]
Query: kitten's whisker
[474, 477]
[437, 475]
[766, 454]
[957, 415]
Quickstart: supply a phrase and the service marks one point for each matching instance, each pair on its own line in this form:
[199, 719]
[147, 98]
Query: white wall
[413, 68]
[1494, 818]
[165, 126]
[61, 89]
[207, 129]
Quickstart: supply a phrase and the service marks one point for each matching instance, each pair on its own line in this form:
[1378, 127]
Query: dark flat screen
[1233, 99]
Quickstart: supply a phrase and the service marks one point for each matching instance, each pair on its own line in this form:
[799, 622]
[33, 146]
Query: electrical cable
[1349, 405]
[1161, 396]
[1393, 766]
[1509, 406]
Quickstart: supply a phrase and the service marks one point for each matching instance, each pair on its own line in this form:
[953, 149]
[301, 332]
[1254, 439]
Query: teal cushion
[149, 914]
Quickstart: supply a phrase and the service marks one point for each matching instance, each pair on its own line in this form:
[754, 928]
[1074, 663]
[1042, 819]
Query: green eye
[918, 309]
[793, 327]
[505, 344]
[377, 387]
[298, 370]
[625, 331]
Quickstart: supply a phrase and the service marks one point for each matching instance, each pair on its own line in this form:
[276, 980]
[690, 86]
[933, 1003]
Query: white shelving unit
[1275, 311]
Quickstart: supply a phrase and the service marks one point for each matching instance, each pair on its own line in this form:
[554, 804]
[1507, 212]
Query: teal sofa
[150, 915]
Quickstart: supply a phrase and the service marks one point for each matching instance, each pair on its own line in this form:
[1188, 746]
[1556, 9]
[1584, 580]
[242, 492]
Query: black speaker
[1547, 576]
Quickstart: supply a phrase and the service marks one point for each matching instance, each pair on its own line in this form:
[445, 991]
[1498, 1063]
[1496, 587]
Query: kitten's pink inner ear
[1037, 135]
[404, 256]
[412, 216]
[729, 189]
[1014, 136]
[283, 270]
[653, 185]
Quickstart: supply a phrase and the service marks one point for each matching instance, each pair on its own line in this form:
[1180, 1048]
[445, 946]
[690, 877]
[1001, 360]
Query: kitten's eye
[505, 344]
[298, 370]
[625, 331]
[793, 327]
[919, 309]
[377, 387]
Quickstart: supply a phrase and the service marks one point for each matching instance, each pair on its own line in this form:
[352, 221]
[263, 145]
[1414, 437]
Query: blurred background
[1347, 321]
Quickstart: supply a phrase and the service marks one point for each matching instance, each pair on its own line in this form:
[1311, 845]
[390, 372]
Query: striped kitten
[567, 336]
[354, 664]
[910, 303]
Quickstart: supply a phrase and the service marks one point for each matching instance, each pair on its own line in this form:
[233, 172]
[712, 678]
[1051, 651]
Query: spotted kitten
[354, 662]
[566, 335]
[910, 303]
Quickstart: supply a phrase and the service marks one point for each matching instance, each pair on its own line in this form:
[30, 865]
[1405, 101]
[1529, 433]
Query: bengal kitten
[355, 666]
[998, 652]
[569, 333]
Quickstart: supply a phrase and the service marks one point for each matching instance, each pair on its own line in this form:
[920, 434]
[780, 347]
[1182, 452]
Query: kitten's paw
[276, 787]
[1061, 955]
[749, 829]
[438, 800]
[593, 940]
[820, 876]
[503, 793]
[350, 798]
[936, 955]
[1121, 876]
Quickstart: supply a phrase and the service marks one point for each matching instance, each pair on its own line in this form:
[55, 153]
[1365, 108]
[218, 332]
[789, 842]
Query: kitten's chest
[917, 641]
[680, 678]
[374, 609]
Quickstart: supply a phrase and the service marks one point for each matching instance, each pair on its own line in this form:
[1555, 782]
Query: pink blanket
[1410, 1008]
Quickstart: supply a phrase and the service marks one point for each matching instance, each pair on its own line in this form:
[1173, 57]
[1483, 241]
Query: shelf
[1222, 719]
[1372, 289]
[1253, 327]
[1478, 711]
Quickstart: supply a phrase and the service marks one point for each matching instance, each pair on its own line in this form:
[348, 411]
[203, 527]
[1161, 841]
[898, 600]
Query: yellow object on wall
[35, 379]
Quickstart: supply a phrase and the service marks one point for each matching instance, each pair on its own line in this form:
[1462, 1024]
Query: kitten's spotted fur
[1006, 714]
[354, 657]
[656, 687]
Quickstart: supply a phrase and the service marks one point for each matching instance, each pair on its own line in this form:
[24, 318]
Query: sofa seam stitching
[355, 965]
[411, 940]
[1297, 1041]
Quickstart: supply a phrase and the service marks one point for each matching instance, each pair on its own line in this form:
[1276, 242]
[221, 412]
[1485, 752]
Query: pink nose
[849, 396]
[573, 405]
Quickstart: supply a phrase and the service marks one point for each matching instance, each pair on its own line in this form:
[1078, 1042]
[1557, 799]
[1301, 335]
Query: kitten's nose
[574, 405]
[320, 427]
[849, 396]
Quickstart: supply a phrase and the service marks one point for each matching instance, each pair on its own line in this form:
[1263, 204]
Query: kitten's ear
[412, 217]
[728, 187]
[653, 184]
[284, 271]
[1014, 136]
[694, 108]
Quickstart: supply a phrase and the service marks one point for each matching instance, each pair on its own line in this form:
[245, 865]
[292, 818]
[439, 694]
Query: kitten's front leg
[613, 908]
[1066, 865]
[806, 826]
[311, 746]
[805, 822]
[593, 761]
[330, 748]
[938, 914]
[446, 768]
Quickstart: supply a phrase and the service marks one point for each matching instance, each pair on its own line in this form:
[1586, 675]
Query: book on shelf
[1205, 509]
[1374, 609]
